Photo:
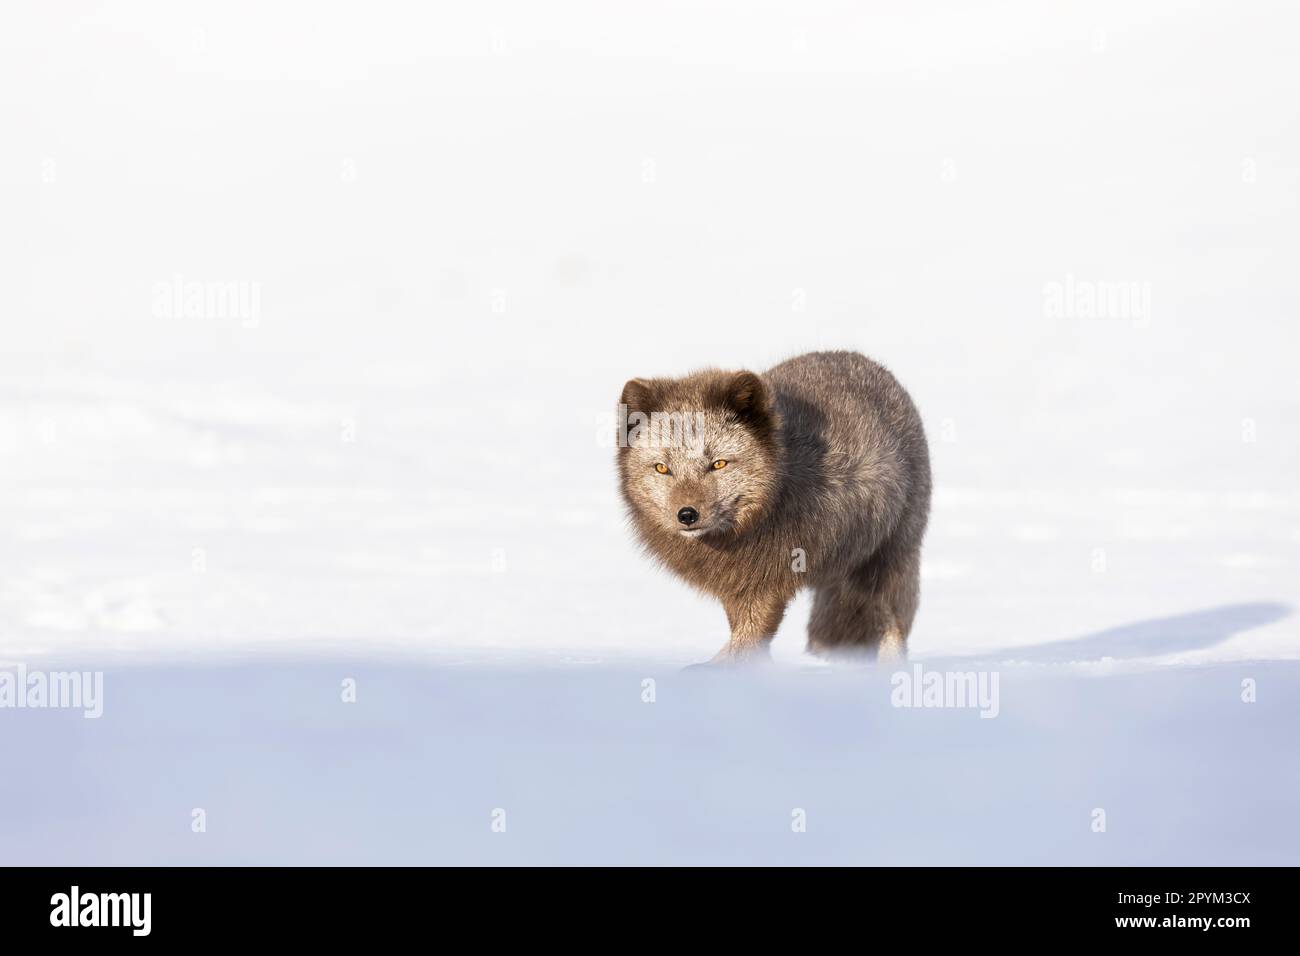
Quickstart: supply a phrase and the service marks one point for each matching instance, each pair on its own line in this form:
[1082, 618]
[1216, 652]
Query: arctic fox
[814, 474]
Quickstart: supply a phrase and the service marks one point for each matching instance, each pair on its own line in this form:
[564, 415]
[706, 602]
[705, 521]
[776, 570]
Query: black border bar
[333, 905]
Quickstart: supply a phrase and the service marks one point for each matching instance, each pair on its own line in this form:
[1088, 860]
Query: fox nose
[688, 515]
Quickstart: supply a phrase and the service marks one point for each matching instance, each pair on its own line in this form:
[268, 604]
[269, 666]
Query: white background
[468, 227]
[642, 191]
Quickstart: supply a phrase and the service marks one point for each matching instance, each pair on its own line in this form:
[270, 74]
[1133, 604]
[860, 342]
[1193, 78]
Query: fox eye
[661, 468]
[720, 464]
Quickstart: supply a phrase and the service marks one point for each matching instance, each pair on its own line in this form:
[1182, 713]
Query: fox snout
[696, 512]
[693, 518]
[692, 509]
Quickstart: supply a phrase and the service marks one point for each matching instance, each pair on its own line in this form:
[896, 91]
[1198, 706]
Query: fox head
[698, 456]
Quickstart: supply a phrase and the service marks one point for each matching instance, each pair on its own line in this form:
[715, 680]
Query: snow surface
[712, 772]
[468, 229]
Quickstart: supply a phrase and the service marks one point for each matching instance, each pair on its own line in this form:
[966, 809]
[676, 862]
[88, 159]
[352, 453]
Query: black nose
[688, 515]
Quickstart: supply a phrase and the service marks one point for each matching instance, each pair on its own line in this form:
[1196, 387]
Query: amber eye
[720, 464]
[661, 468]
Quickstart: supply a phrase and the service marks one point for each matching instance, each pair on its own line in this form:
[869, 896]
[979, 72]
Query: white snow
[467, 230]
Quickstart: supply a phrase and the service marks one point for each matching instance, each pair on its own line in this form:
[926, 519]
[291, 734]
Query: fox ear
[638, 395]
[745, 394]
